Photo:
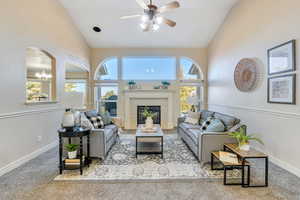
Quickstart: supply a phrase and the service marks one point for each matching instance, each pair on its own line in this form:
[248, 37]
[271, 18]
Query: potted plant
[243, 139]
[131, 84]
[165, 84]
[72, 150]
[149, 117]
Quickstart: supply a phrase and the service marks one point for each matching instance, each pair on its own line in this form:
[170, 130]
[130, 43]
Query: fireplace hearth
[155, 109]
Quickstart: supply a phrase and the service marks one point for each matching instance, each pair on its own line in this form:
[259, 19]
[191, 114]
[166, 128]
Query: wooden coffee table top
[251, 153]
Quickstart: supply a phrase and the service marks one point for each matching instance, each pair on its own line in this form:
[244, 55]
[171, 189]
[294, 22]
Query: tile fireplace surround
[136, 98]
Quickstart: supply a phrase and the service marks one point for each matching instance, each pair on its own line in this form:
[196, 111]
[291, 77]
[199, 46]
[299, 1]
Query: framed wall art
[282, 58]
[282, 89]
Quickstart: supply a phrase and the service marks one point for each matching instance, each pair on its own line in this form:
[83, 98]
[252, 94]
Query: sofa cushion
[91, 113]
[106, 118]
[186, 126]
[204, 115]
[194, 134]
[228, 121]
[113, 127]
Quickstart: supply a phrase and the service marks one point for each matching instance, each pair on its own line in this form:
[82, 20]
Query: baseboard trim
[259, 110]
[15, 164]
[284, 165]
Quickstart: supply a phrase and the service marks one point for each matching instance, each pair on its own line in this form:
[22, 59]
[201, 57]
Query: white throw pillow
[195, 115]
[190, 120]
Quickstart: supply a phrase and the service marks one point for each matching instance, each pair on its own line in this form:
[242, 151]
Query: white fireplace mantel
[133, 98]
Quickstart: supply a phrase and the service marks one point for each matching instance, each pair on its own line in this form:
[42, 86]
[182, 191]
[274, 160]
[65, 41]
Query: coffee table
[149, 143]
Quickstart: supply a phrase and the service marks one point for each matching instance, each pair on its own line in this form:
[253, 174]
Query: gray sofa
[101, 140]
[202, 143]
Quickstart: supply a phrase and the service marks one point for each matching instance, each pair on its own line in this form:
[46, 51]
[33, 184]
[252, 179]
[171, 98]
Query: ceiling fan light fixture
[159, 20]
[143, 26]
[155, 27]
[145, 18]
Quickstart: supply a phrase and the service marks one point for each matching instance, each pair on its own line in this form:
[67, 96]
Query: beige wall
[251, 28]
[27, 130]
[199, 55]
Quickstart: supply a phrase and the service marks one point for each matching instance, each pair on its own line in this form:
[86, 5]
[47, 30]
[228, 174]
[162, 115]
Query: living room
[208, 56]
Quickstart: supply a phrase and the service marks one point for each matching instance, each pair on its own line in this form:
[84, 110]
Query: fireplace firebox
[155, 109]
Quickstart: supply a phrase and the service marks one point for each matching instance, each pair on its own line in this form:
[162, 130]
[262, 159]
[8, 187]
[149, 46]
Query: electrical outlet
[39, 138]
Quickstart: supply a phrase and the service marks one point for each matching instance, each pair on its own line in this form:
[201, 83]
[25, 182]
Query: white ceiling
[197, 22]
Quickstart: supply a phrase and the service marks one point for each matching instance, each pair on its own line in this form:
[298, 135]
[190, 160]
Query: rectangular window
[149, 68]
[108, 99]
[189, 97]
[79, 86]
[38, 90]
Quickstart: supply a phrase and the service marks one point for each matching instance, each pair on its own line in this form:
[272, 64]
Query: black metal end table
[76, 132]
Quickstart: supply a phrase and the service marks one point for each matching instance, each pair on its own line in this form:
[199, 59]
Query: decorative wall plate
[245, 74]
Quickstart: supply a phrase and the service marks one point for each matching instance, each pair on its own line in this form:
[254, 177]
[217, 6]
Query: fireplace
[155, 109]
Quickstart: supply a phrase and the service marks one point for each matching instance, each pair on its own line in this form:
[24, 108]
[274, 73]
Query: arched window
[189, 70]
[107, 70]
[41, 76]
[191, 87]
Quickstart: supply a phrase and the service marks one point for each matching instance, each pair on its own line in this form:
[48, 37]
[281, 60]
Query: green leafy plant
[165, 83]
[131, 82]
[71, 147]
[146, 113]
[242, 138]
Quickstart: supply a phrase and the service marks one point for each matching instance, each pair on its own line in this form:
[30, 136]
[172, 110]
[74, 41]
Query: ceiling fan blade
[169, 22]
[130, 16]
[168, 7]
[142, 4]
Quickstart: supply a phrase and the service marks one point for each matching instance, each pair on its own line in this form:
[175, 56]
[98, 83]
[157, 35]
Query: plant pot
[244, 147]
[149, 122]
[72, 154]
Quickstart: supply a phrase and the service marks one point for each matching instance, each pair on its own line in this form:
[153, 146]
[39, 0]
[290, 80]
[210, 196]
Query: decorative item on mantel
[243, 139]
[131, 85]
[165, 84]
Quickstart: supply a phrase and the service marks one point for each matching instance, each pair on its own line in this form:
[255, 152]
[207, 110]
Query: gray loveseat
[202, 143]
[101, 140]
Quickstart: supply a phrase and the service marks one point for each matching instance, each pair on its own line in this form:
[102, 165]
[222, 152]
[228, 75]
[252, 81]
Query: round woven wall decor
[245, 74]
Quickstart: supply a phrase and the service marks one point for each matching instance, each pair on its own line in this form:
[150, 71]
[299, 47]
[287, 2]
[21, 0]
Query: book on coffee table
[228, 157]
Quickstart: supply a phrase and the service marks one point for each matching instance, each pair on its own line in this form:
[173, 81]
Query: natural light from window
[149, 68]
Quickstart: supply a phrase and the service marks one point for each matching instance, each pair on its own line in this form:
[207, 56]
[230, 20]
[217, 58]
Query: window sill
[40, 103]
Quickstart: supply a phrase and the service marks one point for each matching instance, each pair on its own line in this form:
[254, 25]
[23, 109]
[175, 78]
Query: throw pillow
[195, 115]
[85, 122]
[191, 120]
[206, 123]
[213, 125]
[106, 118]
[96, 121]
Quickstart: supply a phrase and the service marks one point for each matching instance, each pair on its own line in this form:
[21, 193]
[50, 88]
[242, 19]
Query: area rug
[122, 165]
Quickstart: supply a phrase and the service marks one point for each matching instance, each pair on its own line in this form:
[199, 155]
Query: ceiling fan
[152, 18]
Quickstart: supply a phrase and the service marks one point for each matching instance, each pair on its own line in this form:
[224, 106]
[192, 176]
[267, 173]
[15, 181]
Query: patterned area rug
[122, 165]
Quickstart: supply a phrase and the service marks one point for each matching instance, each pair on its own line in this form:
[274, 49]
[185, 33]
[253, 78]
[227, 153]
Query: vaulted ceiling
[197, 22]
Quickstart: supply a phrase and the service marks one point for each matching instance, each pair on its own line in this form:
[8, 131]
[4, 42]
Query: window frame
[99, 100]
[148, 80]
[53, 84]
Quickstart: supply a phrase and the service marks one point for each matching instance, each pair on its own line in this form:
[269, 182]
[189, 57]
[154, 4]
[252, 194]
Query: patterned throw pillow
[213, 125]
[96, 121]
[206, 123]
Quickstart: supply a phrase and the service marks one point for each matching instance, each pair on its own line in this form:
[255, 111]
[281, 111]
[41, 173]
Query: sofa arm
[97, 143]
[180, 120]
[212, 141]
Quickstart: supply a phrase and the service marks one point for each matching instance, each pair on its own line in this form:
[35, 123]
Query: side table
[247, 155]
[76, 132]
